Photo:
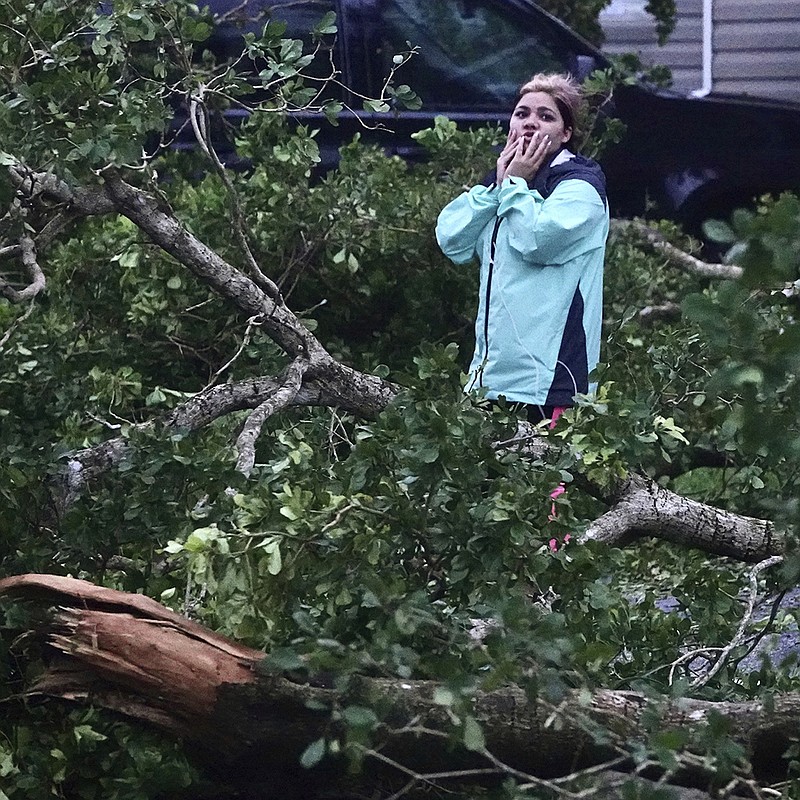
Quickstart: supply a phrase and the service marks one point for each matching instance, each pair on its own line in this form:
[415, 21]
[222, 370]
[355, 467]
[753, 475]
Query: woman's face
[538, 112]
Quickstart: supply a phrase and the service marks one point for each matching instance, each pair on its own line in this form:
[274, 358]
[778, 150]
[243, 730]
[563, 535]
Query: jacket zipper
[492, 248]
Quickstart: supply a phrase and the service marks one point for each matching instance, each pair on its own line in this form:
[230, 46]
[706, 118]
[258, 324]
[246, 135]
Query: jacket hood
[576, 167]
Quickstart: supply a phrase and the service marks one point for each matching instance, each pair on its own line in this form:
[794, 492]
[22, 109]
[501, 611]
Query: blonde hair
[567, 94]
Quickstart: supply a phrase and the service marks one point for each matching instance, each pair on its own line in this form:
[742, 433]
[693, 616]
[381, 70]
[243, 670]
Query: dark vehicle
[692, 158]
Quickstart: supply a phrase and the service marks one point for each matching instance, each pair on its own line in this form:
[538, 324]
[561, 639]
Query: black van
[692, 158]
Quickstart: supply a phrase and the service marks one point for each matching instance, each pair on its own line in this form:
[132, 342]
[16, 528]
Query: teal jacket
[541, 248]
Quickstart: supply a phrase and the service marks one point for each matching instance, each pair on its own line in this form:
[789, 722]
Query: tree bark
[643, 508]
[129, 654]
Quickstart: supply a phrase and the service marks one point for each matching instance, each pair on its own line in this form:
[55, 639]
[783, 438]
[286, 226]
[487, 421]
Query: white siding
[757, 48]
[756, 44]
[629, 29]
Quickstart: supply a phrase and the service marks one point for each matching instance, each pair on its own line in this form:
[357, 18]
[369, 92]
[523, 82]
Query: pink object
[555, 546]
[559, 490]
[557, 412]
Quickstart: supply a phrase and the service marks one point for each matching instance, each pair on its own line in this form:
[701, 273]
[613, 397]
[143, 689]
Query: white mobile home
[721, 46]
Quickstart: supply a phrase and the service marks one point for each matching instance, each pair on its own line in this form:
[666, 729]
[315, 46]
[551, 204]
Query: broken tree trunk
[129, 654]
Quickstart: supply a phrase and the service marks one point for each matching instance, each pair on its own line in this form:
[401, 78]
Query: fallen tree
[432, 609]
[129, 654]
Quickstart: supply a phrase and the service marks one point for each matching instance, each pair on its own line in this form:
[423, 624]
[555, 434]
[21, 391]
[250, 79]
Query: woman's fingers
[537, 142]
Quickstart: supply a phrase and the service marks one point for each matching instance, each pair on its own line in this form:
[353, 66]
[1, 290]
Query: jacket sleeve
[461, 221]
[570, 222]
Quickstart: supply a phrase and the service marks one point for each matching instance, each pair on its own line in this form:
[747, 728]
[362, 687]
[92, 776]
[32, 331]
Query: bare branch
[251, 323]
[664, 311]
[657, 241]
[34, 272]
[746, 619]
[279, 399]
[643, 508]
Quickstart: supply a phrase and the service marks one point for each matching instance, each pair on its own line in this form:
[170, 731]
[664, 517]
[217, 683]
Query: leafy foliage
[360, 546]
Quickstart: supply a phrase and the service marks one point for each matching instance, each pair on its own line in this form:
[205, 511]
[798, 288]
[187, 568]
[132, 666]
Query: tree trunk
[129, 654]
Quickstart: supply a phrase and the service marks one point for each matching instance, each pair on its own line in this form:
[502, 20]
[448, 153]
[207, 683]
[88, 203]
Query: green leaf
[443, 696]
[378, 106]
[719, 231]
[327, 25]
[86, 732]
[281, 659]
[473, 735]
[274, 562]
[360, 717]
[313, 754]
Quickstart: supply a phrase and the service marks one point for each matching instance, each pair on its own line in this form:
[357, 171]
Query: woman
[539, 231]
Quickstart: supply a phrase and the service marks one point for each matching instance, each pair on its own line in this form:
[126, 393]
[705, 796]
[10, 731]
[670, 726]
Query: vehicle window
[472, 53]
[236, 18]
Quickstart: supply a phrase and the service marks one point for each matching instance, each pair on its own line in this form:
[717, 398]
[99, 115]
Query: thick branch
[335, 386]
[283, 395]
[86, 201]
[657, 241]
[643, 508]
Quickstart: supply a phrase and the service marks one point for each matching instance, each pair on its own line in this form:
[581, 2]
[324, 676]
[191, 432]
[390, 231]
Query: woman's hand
[523, 159]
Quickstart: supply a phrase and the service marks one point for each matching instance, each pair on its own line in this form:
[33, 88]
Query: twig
[21, 318]
[760, 635]
[739, 636]
[198, 115]
[251, 323]
[337, 429]
[666, 311]
[110, 425]
[429, 778]
[338, 518]
[690, 656]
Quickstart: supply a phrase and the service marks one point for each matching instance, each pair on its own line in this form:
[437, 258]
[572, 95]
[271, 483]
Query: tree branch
[198, 115]
[658, 242]
[34, 272]
[665, 311]
[283, 395]
[643, 508]
[743, 625]
[85, 201]
[334, 386]
[172, 237]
